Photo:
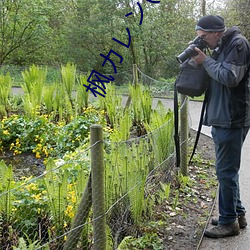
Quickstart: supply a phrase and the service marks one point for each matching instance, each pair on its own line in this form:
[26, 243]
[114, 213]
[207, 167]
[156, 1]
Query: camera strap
[199, 127]
[176, 126]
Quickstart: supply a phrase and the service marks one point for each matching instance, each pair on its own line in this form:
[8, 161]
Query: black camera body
[190, 51]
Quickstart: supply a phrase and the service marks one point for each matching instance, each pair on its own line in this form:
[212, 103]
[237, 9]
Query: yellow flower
[31, 187]
[45, 151]
[73, 199]
[69, 211]
[103, 112]
[16, 152]
[14, 209]
[38, 155]
[26, 178]
[37, 196]
[6, 132]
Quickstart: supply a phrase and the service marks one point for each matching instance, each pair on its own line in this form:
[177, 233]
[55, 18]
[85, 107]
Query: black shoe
[221, 231]
[241, 219]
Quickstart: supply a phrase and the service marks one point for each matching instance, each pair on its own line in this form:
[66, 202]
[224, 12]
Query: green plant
[33, 85]
[112, 105]
[164, 191]
[176, 199]
[62, 104]
[6, 184]
[68, 74]
[23, 134]
[15, 71]
[58, 102]
[30, 208]
[43, 137]
[5, 90]
[147, 241]
[28, 244]
[121, 131]
[6, 204]
[48, 98]
[141, 104]
[56, 187]
[126, 172]
[64, 183]
[184, 181]
[82, 96]
[161, 128]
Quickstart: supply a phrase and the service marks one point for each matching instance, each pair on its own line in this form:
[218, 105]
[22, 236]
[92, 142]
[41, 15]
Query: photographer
[228, 112]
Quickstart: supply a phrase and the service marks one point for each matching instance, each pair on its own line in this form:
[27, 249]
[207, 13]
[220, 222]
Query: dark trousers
[228, 145]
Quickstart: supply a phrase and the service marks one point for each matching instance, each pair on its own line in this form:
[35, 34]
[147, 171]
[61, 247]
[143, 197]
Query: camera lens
[187, 53]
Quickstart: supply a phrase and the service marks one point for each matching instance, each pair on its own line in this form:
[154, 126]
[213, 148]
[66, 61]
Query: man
[228, 112]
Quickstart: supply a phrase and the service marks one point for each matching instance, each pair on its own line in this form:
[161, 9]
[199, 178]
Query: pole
[98, 195]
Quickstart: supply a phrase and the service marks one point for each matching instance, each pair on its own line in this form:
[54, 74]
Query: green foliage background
[55, 32]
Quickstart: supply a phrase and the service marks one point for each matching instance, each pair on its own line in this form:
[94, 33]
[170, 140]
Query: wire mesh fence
[56, 209]
[42, 210]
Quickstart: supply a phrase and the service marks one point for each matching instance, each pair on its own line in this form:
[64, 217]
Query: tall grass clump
[6, 203]
[68, 74]
[161, 130]
[48, 98]
[6, 184]
[33, 85]
[5, 90]
[141, 105]
[112, 105]
[82, 96]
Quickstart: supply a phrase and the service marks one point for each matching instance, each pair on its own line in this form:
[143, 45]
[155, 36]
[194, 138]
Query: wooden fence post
[98, 194]
[135, 74]
[184, 135]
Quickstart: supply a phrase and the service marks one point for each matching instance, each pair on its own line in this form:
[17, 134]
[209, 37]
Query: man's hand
[200, 58]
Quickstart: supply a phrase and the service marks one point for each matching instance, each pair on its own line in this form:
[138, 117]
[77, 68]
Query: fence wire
[44, 210]
[158, 87]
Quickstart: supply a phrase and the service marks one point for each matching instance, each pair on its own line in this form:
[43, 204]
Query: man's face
[211, 38]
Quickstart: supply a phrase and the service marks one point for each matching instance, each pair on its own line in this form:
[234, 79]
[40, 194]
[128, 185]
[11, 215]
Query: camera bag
[192, 79]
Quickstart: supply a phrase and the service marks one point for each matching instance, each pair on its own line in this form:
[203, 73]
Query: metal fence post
[98, 195]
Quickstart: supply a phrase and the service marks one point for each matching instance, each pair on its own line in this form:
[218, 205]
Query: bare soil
[186, 223]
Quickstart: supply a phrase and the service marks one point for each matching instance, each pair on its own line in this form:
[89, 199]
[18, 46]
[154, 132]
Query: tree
[21, 21]
[237, 13]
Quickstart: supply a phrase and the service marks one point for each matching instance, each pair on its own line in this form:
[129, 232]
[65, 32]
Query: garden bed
[178, 222]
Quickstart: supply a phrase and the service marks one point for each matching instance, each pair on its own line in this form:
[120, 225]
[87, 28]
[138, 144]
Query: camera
[190, 51]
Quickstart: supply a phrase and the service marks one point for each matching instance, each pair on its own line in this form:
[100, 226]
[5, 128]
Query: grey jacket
[228, 103]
